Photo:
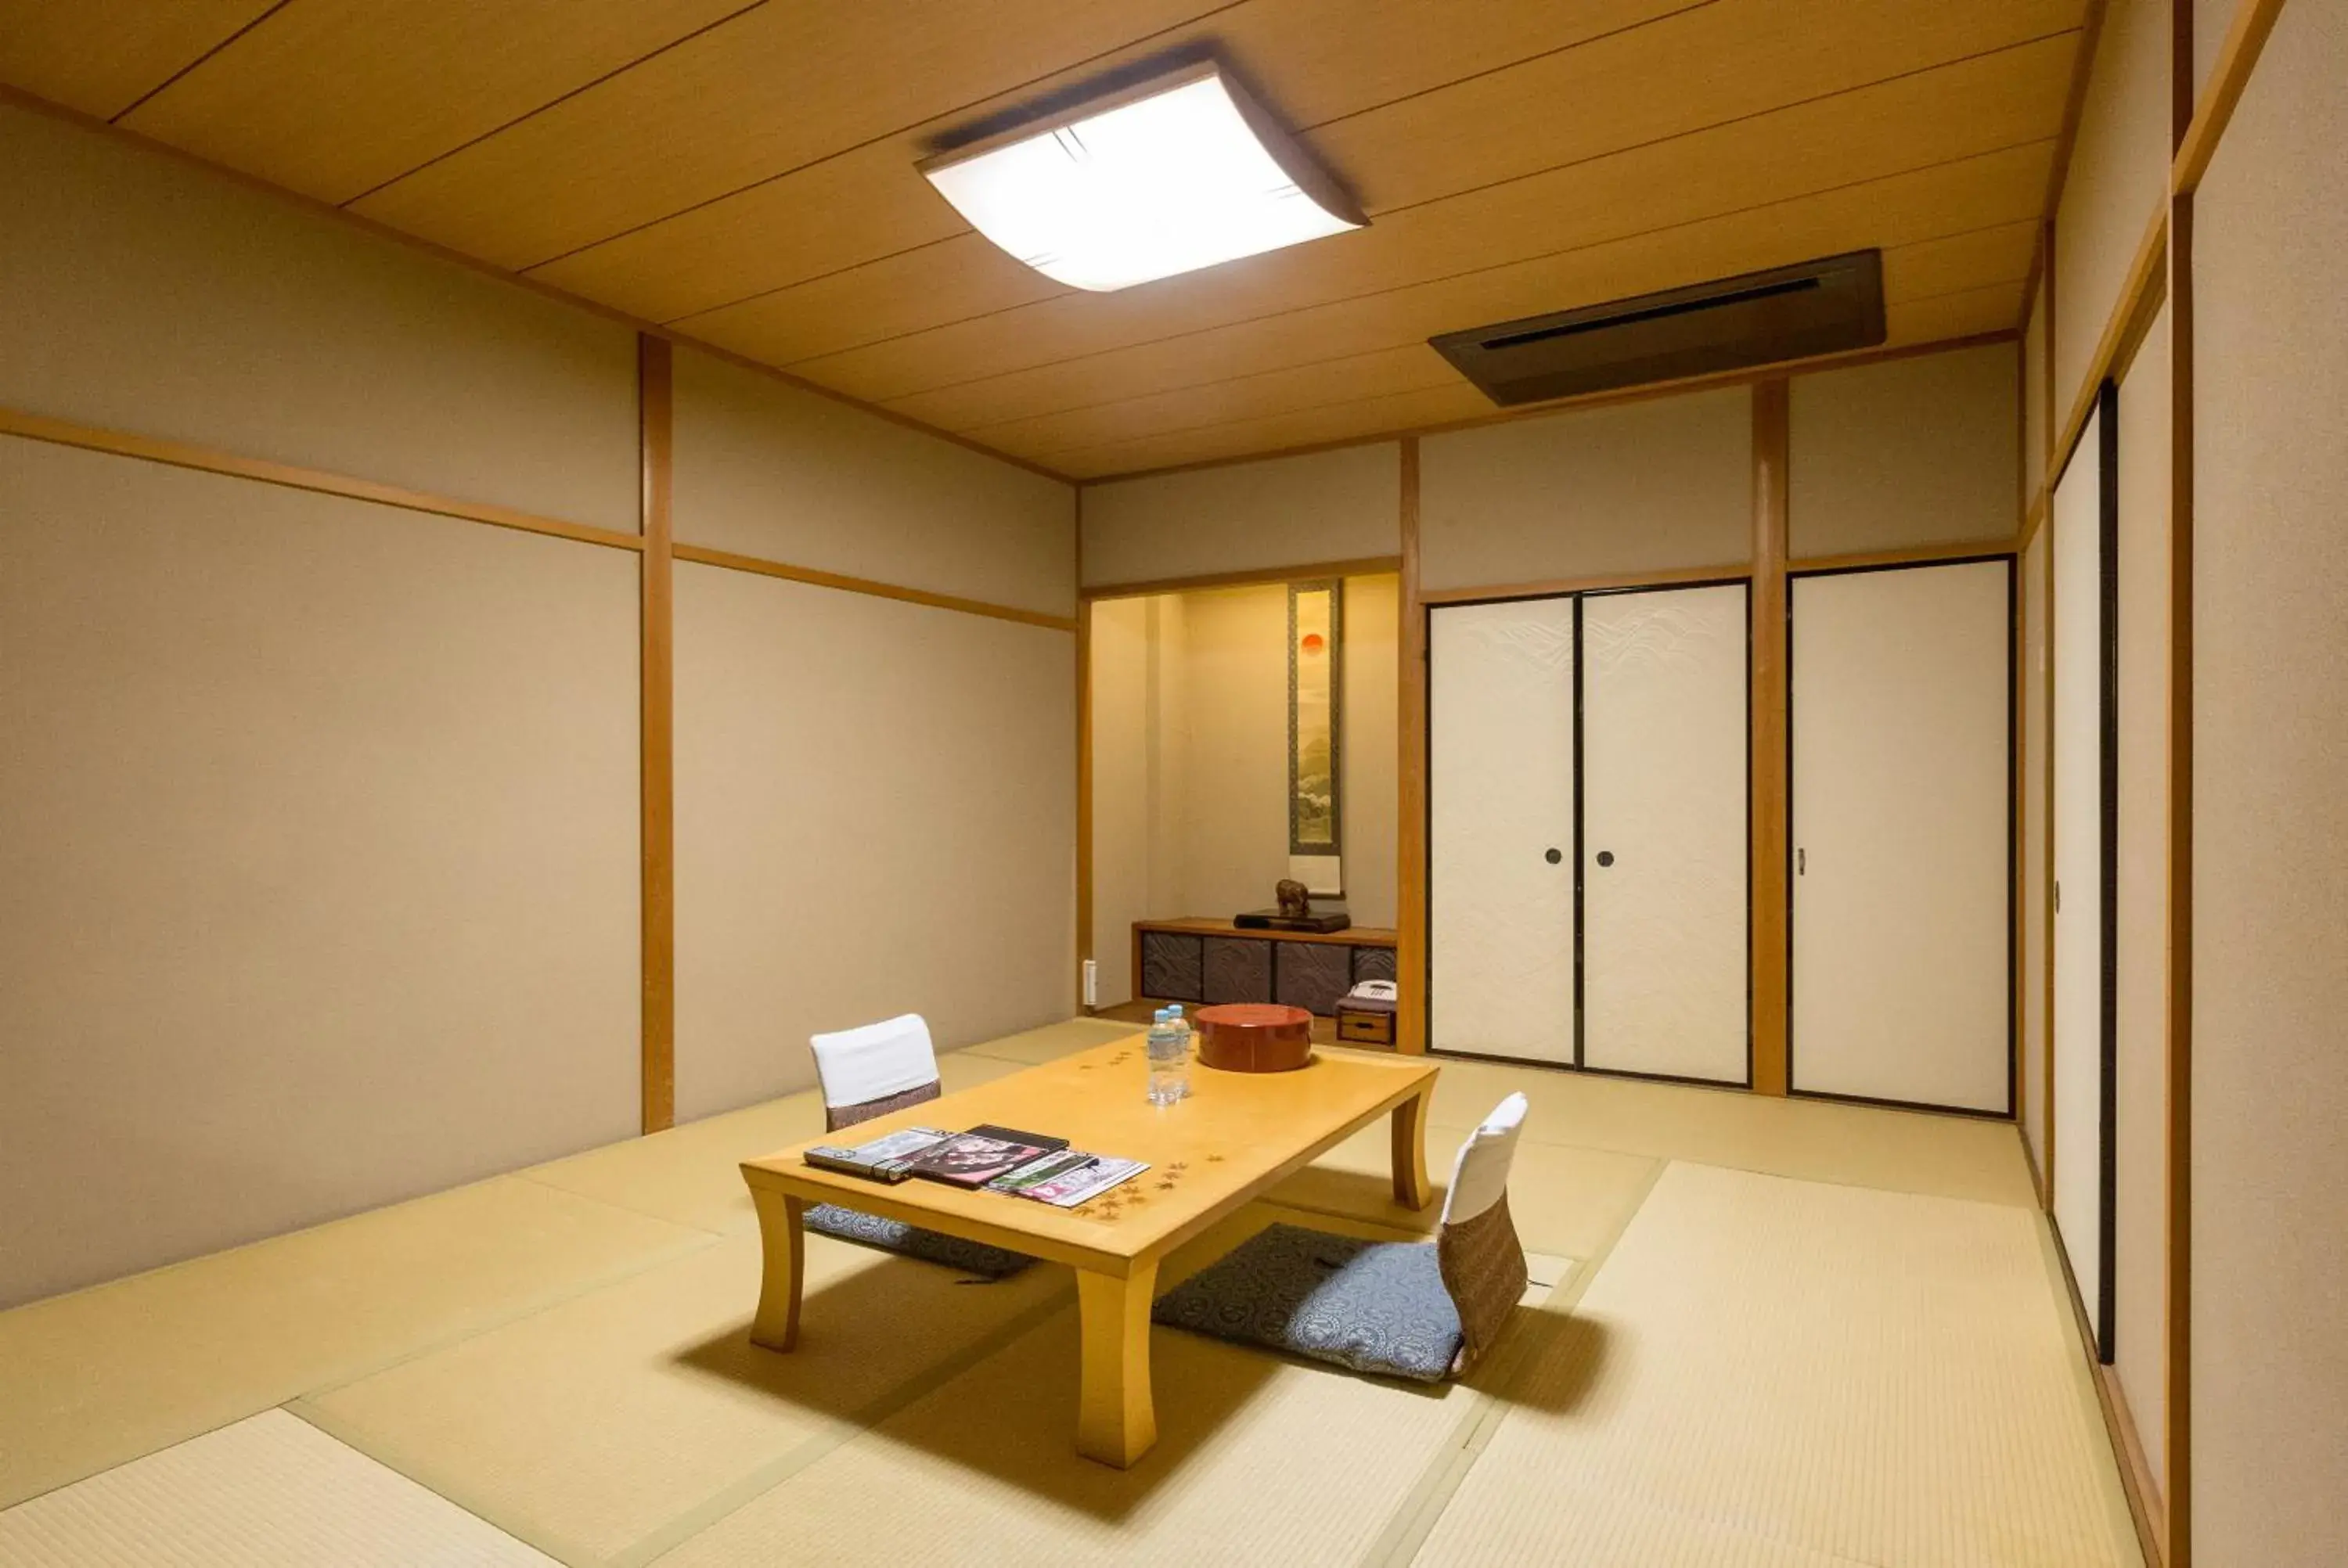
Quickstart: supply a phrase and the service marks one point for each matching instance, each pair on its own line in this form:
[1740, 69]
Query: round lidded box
[1254, 1037]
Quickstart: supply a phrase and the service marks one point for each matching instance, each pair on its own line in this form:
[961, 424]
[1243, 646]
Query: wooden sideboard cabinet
[1209, 961]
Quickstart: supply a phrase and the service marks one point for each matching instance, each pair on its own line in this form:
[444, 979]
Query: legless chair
[871, 1071]
[1400, 1309]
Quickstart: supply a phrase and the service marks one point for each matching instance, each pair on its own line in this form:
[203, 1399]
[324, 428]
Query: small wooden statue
[1295, 903]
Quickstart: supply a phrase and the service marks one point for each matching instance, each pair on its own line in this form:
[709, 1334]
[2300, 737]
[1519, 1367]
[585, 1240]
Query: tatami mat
[1257, 1460]
[1055, 1040]
[103, 1375]
[1815, 1140]
[1858, 1366]
[587, 1427]
[691, 1175]
[1768, 1370]
[266, 1491]
[1564, 1199]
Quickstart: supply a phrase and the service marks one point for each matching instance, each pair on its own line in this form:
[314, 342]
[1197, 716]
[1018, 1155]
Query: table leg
[784, 1240]
[1116, 1421]
[1410, 1186]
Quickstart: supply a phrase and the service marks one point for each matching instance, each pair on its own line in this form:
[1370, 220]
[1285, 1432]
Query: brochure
[1083, 1183]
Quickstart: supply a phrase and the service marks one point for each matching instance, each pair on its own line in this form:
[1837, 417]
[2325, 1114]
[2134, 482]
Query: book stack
[997, 1159]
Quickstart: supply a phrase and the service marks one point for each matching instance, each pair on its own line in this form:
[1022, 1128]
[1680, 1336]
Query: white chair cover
[1480, 1178]
[855, 1065]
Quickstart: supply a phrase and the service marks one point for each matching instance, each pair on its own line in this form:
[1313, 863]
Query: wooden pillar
[1772, 892]
[1410, 953]
[656, 414]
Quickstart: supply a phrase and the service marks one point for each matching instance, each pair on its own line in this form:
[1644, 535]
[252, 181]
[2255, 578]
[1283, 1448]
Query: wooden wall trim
[260, 471]
[2255, 22]
[1551, 588]
[2177, 1069]
[1084, 775]
[212, 460]
[655, 410]
[1410, 775]
[702, 555]
[1772, 891]
[1642, 393]
[1910, 555]
[1359, 565]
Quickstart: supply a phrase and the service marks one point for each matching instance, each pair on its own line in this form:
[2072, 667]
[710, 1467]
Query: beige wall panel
[136, 294]
[2271, 814]
[1640, 486]
[1231, 813]
[765, 469]
[320, 835]
[2030, 1093]
[1371, 799]
[2034, 397]
[1345, 505]
[2211, 19]
[2139, 1280]
[1909, 452]
[1124, 776]
[2118, 179]
[876, 814]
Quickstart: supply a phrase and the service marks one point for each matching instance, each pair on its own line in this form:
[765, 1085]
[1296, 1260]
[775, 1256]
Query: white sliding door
[2081, 1043]
[1901, 808]
[1500, 828]
[1665, 679]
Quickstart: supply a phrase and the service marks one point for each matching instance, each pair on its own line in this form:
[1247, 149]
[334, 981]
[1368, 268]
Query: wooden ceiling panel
[1315, 60]
[100, 56]
[783, 84]
[744, 170]
[911, 292]
[1974, 105]
[1960, 261]
[810, 223]
[1724, 62]
[1898, 211]
[1912, 272]
[334, 97]
[1411, 367]
[1335, 425]
[1919, 322]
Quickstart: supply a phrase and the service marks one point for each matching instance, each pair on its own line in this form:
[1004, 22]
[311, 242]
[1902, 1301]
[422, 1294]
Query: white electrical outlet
[1092, 982]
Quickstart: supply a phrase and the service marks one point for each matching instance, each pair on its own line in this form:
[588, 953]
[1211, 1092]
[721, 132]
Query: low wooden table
[1235, 1136]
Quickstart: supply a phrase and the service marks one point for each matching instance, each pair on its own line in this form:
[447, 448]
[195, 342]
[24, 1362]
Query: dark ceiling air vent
[1786, 312]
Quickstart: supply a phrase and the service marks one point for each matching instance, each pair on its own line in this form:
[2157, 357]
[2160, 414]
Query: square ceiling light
[1177, 173]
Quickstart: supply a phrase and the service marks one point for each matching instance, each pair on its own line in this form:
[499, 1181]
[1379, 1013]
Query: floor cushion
[1375, 1307]
[912, 1241]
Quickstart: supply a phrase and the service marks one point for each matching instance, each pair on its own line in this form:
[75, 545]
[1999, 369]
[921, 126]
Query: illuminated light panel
[1169, 176]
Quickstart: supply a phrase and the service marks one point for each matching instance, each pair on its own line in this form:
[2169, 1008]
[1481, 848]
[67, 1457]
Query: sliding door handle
[1801, 863]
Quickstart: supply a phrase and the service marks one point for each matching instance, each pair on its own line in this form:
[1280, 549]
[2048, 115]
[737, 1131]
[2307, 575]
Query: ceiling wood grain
[743, 171]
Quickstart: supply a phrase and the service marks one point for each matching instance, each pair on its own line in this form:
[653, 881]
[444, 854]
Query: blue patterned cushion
[1375, 1307]
[911, 1241]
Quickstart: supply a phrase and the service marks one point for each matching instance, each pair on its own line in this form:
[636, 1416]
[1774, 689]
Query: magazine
[1058, 1162]
[973, 1159]
[1083, 1183]
[888, 1158]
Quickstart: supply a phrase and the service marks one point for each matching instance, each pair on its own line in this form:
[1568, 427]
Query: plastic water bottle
[1170, 1067]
